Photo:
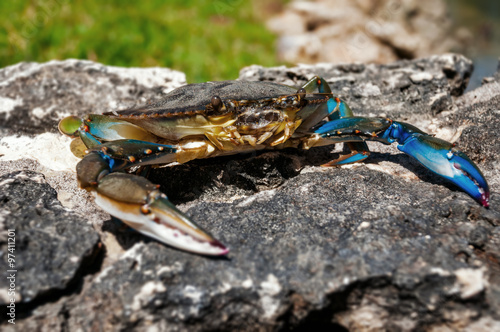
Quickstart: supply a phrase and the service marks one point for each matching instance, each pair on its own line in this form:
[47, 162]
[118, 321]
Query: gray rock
[480, 110]
[404, 90]
[52, 247]
[384, 245]
[35, 96]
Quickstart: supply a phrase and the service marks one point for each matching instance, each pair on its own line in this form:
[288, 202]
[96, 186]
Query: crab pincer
[140, 204]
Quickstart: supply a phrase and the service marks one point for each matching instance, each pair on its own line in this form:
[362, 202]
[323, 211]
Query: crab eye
[301, 93]
[216, 103]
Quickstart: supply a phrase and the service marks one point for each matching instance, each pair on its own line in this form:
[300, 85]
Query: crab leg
[334, 109]
[435, 154]
[134, 199]
[137, 201]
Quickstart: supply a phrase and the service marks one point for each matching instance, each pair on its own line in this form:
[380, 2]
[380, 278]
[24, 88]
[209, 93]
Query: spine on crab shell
[441, 157]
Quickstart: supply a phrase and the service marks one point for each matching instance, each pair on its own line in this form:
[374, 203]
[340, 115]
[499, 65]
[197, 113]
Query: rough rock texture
[53, 246]
[384, 245]
[400, 89]
[365, 31]
[41, 94]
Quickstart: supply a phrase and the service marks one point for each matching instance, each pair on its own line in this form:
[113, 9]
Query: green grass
[208, 40]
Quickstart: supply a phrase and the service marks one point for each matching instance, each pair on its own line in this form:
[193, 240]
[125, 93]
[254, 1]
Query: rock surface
[35, 96]
[365, 31]
[384, 245]
[400, 90]
[53, 246]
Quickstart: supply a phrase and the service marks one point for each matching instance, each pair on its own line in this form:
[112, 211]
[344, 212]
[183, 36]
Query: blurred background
[213, 40]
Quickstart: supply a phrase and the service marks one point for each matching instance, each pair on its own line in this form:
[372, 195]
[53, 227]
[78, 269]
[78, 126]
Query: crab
[223, 118]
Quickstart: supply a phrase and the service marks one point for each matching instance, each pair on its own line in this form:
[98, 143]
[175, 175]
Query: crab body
[223, 118]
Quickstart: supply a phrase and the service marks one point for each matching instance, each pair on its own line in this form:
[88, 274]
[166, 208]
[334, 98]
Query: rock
[480, 110]
[34, 96]
[383, 245]
[404, 90]
[365, 31]
[52, 248]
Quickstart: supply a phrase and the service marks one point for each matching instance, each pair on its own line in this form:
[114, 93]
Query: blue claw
[442, 158]
[437, 155]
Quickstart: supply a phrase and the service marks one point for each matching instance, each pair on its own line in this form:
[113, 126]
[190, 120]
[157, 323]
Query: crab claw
[442, 158]
[139, 204]
[162, 221]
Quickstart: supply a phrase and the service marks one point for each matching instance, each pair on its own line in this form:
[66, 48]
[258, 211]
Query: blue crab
[223, 118]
